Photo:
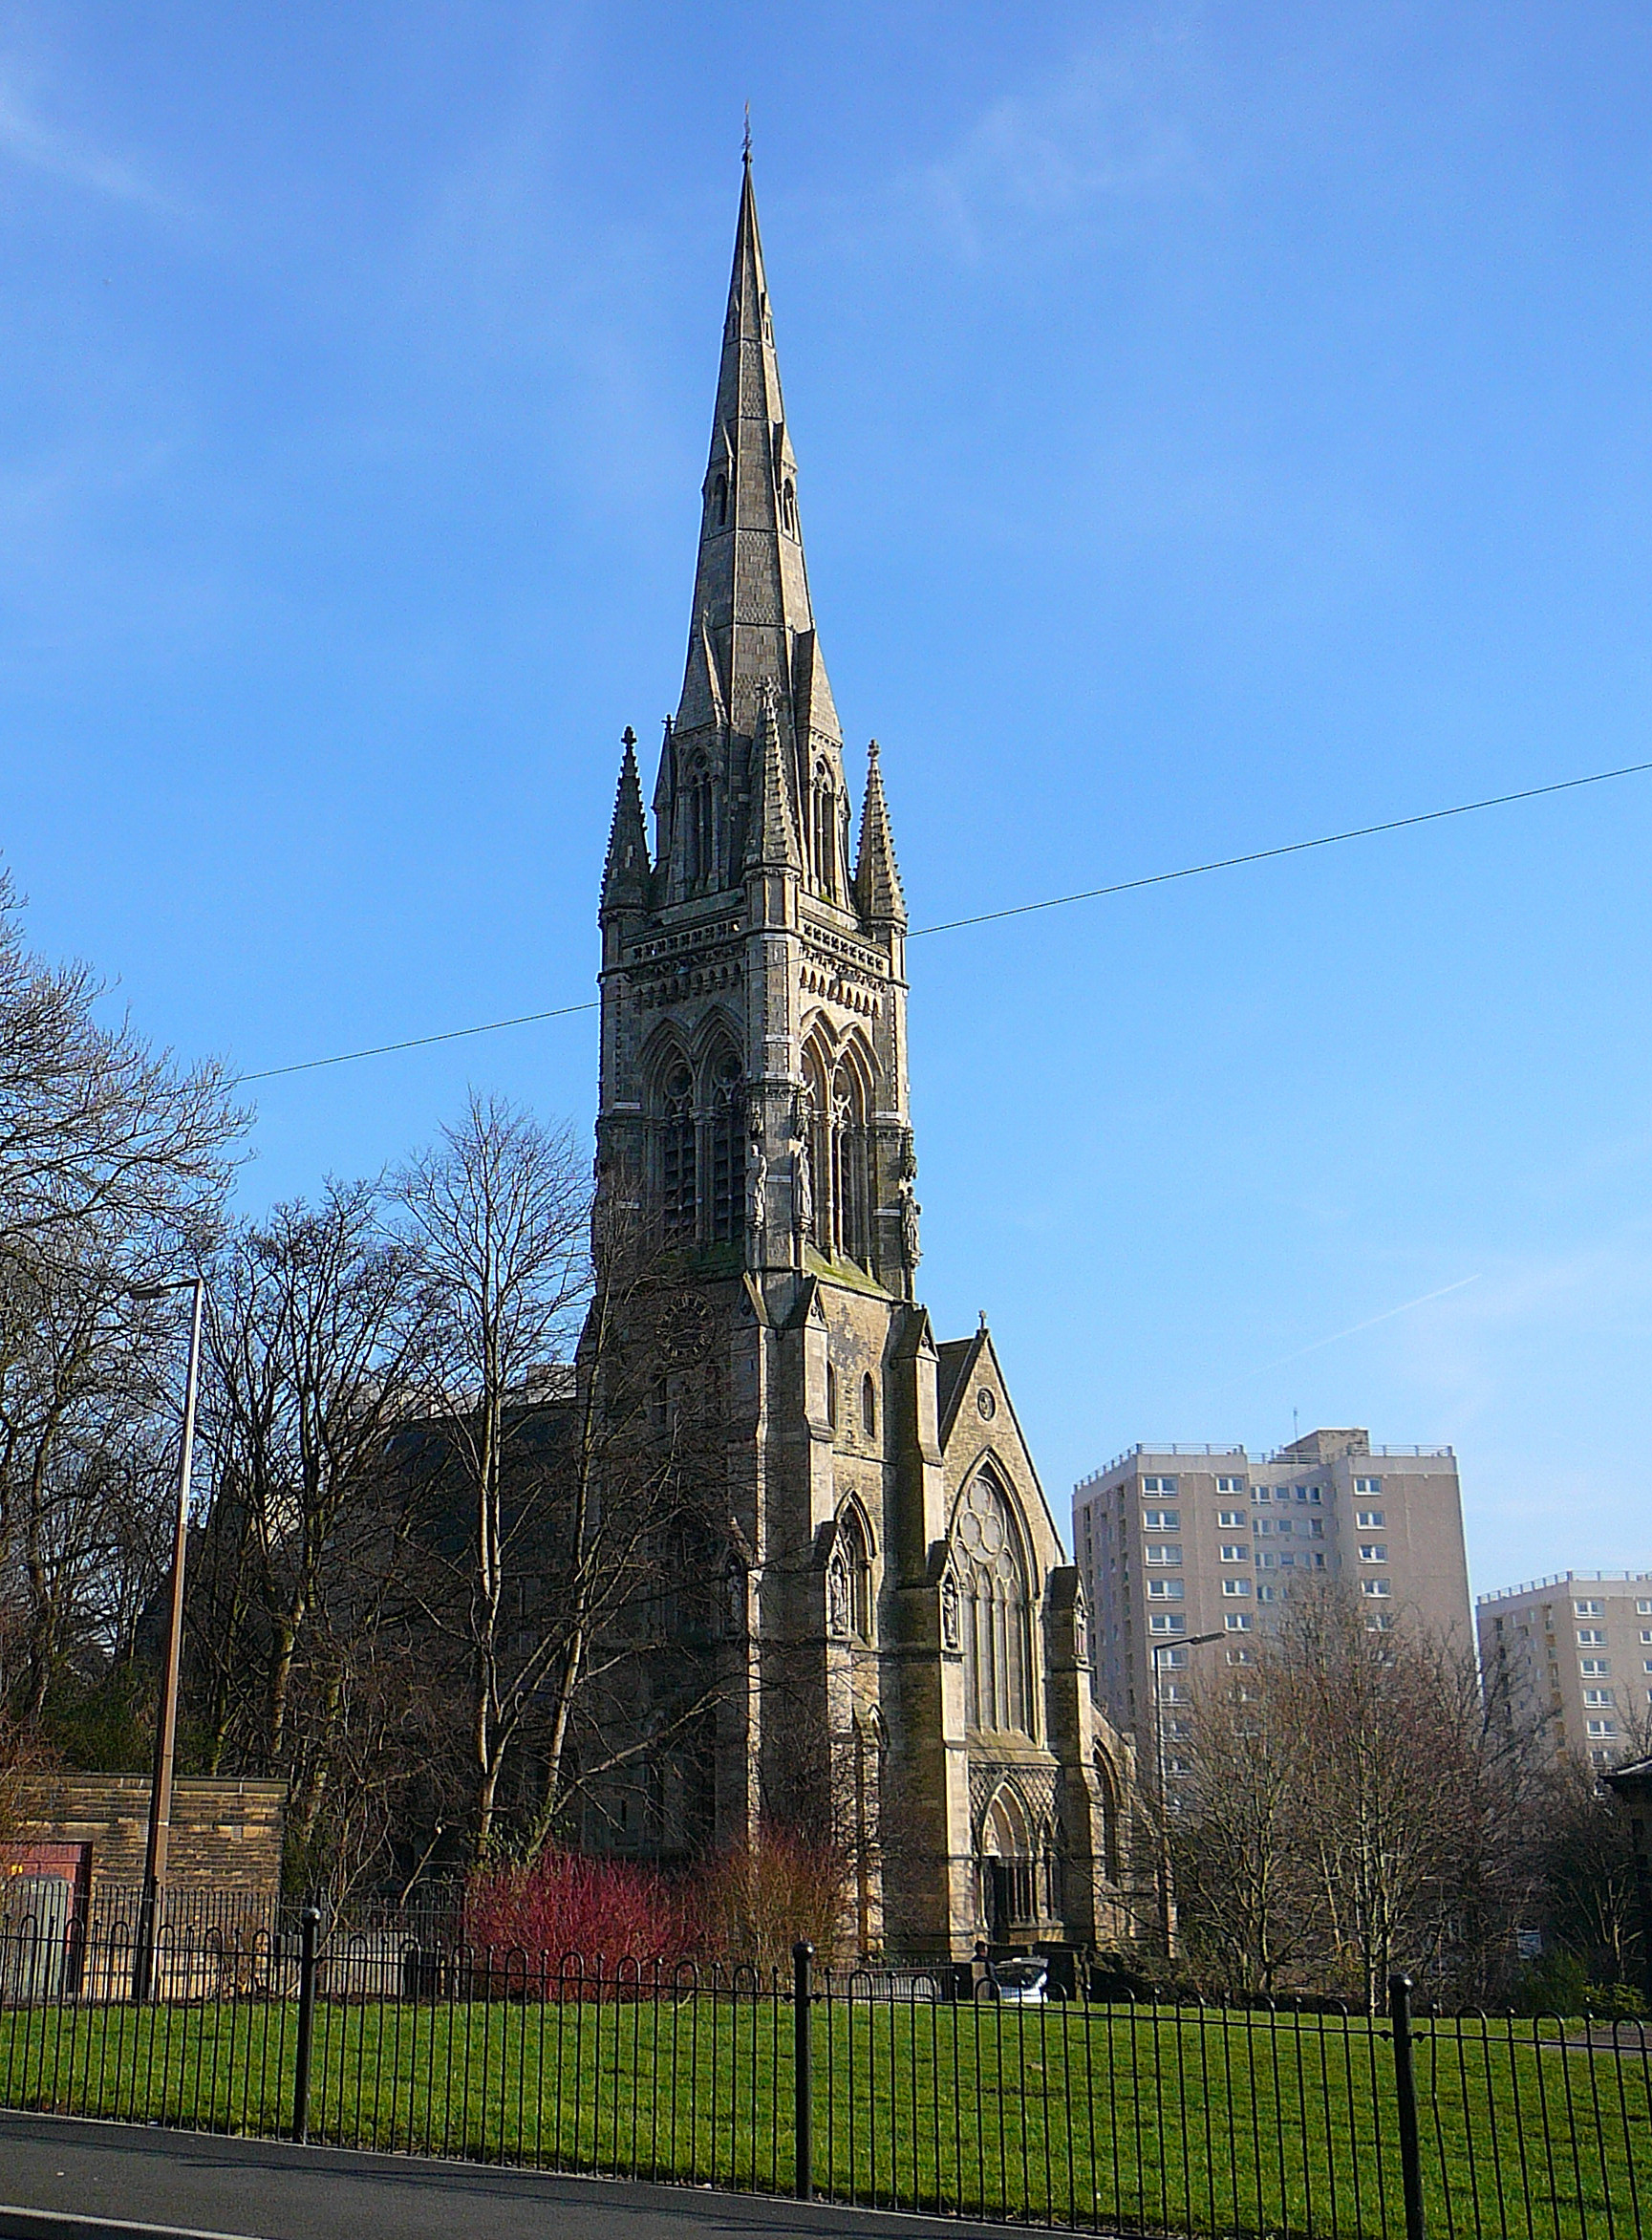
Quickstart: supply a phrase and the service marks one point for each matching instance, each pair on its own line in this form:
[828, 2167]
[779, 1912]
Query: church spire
[752, 629]
[877, 880]
[625, 876]
[751, 586]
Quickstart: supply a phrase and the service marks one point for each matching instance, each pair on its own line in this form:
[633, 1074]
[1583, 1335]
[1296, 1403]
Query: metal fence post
[1405, 2095]
[311, 1922]
[803, 2063]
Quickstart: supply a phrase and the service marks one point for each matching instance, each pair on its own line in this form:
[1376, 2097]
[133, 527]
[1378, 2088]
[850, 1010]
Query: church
[907, 1642]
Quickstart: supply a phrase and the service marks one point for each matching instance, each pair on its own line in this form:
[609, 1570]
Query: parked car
[1018, 1983]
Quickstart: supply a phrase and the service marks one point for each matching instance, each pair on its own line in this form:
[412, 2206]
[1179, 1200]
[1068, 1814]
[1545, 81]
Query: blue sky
[1217, 425]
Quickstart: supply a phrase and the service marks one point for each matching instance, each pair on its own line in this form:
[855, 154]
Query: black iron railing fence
[910, 2090]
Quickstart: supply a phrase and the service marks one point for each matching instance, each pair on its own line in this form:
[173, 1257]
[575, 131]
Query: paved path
[125, 2177]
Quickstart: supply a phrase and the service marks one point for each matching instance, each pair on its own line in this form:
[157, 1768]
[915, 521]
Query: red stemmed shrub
[592, 1908]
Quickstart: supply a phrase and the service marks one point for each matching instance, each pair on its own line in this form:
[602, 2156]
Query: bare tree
[95, 1127]
[1355, 1809]
[112, 1165]
[1242, 1875]
[501, 1209]
[317, 1348]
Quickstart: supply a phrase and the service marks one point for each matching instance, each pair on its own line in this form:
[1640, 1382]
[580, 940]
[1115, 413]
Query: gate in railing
[888, 2089]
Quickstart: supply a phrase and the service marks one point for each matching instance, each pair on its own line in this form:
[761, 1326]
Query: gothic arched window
[719, 499]
[824, 833]
[726, 1128]
[996, 1629]
[849, 1582]
[678, 1195]
[831, 1396]
[700, 835]
[849, 1209]
[788, 508]
[868, 1407]
[839, 1151]
[1106, 1783]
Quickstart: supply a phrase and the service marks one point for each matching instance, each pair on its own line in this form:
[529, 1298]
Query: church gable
[978, 1424]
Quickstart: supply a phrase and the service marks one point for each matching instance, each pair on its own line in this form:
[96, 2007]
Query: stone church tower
[908, 1641]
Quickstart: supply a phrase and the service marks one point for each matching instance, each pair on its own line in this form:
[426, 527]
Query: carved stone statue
[950, 1636]
[838, 1595]
[801, 1186]
[758, 1189]
[734, 1594]
[909, 1212]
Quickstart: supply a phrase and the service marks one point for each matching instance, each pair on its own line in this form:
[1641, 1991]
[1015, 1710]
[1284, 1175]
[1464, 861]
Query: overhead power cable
[1228, 862]
[985, 917]
[418, 1041]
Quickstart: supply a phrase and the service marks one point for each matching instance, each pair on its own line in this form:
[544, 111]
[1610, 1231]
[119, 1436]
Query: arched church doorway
[1006, 1863]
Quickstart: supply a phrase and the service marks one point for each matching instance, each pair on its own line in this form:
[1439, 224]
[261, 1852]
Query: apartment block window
[1159, 1485]
[1232, 1554]
[1375, 1587]
[1591, 1637]
[1264, 1526]
[1382, 1623]
[1646, 1635]
[1268, 1594]
[1285, 1525]
[1600, 1727]
[1369, 1520]
[1242, 1656]
[1230, 1519]
[1162, 1552]
[1234, 1587]
[1260, 1494]
[1237, 1621]
[1373, 1552]
[1173, 1660]
[1230, 1485]
[1165, 1590]
[1265, 1562]
[1647, 1663]
[1595, 1668]
[1600, 1758]
[1161, 1520]
[1162, 1621]
[1316, 1559]
[1173, 1690]
[1589, 1609]
[1599, 1698]
[1643, 1609]
[1316, 1528]
[1367, 1485]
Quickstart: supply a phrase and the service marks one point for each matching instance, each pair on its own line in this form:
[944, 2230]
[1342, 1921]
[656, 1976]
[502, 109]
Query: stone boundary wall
[225, 1835]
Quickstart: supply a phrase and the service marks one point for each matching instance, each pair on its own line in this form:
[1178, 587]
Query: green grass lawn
[1117, 2117]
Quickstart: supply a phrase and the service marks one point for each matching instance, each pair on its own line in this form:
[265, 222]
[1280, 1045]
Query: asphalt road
[122, 2179]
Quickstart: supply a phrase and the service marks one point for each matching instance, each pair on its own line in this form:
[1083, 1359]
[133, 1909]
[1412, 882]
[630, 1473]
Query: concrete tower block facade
[913, 1659]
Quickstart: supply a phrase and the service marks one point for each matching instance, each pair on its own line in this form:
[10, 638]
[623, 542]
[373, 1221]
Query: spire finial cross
[745, 156]
[628, 737]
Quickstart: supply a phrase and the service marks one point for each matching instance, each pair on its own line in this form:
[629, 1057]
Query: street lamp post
[166, 1721]
[1167, 1887]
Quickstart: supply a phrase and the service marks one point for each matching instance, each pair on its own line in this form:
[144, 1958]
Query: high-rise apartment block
[1178, 1541]
[1573, 1652]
